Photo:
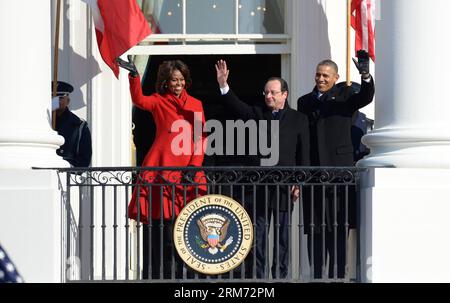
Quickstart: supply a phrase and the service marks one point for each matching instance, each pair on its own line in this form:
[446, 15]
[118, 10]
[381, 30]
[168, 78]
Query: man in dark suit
[330, 110]
[293, 149]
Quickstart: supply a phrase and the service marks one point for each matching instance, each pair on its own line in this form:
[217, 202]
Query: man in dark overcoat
[293, 149]
[330, 110]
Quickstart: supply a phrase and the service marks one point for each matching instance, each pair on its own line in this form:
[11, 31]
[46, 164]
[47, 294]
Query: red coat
[166, 109]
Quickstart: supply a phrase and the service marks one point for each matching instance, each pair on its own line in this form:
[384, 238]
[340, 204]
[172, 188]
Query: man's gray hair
[329, 63]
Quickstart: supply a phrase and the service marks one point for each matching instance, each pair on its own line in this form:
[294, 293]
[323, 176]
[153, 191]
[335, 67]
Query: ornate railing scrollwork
[212, 175]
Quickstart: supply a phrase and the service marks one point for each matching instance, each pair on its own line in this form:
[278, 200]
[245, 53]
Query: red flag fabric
[363, 21]
[119, 25]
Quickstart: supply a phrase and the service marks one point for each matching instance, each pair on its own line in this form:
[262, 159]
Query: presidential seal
[213, 234]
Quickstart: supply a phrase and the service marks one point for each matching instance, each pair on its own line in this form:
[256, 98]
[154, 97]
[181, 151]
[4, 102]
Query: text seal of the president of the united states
[213, 234]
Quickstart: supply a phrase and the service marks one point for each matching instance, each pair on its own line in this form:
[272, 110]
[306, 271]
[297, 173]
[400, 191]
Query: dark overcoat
[330, 120]
[293, 140]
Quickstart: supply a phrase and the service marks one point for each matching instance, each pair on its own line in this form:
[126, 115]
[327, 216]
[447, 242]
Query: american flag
[363, 21]
[8, 272]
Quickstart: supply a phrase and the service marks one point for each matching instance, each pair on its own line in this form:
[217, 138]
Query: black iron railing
[103, 243]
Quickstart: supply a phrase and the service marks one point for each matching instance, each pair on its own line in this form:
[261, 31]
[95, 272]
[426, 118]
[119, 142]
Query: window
[210, 17]
[215, 16]
[261, 17]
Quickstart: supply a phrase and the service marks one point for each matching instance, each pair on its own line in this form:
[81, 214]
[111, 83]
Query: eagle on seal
[214, 231]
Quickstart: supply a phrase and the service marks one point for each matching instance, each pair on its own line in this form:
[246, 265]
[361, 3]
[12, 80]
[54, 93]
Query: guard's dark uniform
[77, 149]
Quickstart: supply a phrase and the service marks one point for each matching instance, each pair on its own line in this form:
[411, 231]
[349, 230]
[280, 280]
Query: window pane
[261, 16]
[164, 16]
[215, 16]
[210, 16]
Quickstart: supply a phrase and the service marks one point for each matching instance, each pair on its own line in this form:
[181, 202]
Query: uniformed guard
[77, 147]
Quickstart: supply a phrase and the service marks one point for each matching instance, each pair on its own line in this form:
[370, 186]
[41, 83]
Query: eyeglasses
[273, 93]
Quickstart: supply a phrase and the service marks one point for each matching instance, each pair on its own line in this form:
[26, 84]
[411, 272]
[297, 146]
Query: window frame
[184, 43]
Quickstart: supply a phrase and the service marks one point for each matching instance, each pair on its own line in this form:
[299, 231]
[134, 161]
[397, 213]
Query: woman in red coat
[179, 141]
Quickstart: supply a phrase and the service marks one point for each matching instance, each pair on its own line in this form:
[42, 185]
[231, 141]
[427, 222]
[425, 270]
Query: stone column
[26, 137]
[412, 128]
[405, 205]
[30, 202]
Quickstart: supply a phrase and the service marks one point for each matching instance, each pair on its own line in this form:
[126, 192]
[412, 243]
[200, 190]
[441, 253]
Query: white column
[404, 226]
[26, 137]
[31, 223]
[405, 206]
[412, 104]
[30, 202]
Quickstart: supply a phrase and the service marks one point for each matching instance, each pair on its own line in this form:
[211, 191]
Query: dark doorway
[248, 74]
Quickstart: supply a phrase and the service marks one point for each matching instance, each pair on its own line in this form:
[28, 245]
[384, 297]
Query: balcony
[101, 242]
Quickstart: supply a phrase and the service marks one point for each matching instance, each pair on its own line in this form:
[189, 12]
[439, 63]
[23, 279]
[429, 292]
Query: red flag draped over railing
[363, 21]
[119, 25]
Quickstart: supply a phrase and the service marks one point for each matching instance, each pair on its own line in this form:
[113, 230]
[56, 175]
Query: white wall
[105, 103]
[98, 96]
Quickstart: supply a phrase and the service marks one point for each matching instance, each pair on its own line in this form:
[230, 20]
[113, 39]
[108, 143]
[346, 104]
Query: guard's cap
[63, 88]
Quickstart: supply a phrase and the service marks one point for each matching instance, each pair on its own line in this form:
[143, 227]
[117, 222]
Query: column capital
[411, 124]
[26, 137]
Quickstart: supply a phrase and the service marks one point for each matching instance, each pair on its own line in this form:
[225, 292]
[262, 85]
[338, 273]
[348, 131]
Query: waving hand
[222, 73]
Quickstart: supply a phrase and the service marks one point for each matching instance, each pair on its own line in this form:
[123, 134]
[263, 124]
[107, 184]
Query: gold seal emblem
[213, 234]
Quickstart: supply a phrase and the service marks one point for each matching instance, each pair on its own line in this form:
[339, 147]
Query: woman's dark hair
[165, 72]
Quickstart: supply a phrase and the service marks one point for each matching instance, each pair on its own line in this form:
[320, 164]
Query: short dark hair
[329, 63]
[284, 85]
[166, 70]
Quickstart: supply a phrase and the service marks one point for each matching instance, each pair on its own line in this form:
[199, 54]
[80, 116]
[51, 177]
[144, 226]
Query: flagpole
[349, 12]
[55, 59]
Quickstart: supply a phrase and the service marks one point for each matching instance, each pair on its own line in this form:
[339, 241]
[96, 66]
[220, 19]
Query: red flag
[119, 25]
[363, 21]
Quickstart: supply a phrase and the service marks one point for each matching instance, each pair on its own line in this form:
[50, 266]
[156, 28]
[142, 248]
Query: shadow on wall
[78, 69]
[81, 71]
[74, 68]
[314, 42]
